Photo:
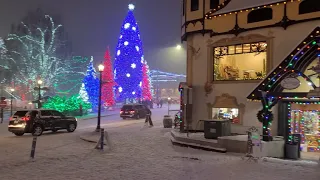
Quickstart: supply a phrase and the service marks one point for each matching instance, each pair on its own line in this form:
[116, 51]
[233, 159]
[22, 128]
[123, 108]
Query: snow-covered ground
[137, 153]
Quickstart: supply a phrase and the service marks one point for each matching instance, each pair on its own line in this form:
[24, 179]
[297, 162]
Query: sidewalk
[95, 115]
[197, 141]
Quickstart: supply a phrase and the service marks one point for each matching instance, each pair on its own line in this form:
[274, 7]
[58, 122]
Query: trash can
[216, 128]
[293, 148]
[167, 121]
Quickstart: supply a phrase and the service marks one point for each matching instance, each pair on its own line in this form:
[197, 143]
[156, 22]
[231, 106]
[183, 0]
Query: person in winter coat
[148, 118]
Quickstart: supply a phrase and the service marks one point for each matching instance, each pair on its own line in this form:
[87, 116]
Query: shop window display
[306, 123]
[240, 62]
[226, 114]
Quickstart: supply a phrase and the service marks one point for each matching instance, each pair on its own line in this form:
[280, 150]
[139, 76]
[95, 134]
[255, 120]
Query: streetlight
[178, 47]
[12, 90]
[39, 92]
[100, 68]
[169, 99]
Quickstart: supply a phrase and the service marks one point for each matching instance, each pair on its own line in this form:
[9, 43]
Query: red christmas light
[107, 94]
[146, 89]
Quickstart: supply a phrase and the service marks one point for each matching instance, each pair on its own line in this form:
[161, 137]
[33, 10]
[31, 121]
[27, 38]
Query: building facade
[239, 52]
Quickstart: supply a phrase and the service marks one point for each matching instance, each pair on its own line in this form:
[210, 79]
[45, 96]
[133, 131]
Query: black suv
[39, 120]
[136, 111]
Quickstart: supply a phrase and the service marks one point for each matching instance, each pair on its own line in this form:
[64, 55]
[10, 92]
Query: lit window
[231, 50]
[240, 62]
[239, 49]
[231, 114]
[246, 48]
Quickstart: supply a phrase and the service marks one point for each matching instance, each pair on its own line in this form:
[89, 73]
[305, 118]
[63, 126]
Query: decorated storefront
[293, 87]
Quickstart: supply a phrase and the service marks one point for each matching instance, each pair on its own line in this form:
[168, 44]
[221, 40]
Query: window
[20, 113]
[194, 5]
[57, 113]
[226, 114]
[240, 62]
[214, 4]
[309, 6]
[46, 113]
[183, 7]
[260, 15]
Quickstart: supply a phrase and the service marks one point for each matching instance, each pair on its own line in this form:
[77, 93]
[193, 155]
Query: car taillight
[26, 118]
[121, 112]
[131, 112]
[10, 118]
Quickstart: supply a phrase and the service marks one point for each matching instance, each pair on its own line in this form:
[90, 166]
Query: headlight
[76, 119]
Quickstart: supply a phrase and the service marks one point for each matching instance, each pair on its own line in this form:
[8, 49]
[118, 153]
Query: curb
[96, 117]
[291, 162]
[195, 146]
[180, 142]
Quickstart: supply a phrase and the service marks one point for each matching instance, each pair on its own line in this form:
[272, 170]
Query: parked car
[39, 120]
[136, 111]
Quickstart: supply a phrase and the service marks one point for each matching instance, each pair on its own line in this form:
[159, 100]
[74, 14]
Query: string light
[125, 76]
[66, 105]
[91, 84]
[288, 66]
[209, 15]
[299, 122]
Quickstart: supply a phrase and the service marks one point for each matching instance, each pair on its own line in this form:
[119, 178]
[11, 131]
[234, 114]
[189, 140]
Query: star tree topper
[131, 7]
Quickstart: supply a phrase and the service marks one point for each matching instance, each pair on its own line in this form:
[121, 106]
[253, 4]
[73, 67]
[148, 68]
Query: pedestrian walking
[148, 118]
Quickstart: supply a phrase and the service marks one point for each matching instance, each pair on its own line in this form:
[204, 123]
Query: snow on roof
[236, 5]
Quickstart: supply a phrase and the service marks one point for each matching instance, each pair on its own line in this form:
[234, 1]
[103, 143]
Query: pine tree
[107, 94]
[128, 60]
[83, 94]
[91, 84]
[146, 84]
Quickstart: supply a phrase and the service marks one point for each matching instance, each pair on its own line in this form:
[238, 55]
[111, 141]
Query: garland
[262, 114]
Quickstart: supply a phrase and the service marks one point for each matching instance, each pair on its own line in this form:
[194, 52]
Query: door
[59, 121]
[48, 119]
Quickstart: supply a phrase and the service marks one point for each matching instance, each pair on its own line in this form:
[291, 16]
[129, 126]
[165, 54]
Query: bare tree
[36, 51]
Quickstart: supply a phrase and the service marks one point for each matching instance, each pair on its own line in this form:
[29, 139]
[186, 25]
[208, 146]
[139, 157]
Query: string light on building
[211, 14]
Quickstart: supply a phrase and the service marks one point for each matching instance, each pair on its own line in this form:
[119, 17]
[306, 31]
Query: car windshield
[20, 113]
[127, 107]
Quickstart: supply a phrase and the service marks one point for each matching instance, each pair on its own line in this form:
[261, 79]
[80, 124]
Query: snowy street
[137, 152]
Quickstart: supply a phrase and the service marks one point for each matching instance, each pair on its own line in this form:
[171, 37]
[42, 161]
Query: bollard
[33, 147]
[101, 138]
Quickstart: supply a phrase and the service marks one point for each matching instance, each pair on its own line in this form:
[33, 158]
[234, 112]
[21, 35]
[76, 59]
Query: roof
[295, 63]
[236, 5]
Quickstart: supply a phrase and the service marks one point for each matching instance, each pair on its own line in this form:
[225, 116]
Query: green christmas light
[64, 104]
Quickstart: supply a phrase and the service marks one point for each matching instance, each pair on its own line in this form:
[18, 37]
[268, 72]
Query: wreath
[262, 113]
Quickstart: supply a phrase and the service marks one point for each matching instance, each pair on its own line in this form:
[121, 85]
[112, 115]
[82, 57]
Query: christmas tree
[128, 60]
[107, 94]
[83, 94]
[91, 84]
[146, 84]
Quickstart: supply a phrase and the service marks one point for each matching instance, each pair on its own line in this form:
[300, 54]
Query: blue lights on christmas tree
[91, 84]
[129, 60]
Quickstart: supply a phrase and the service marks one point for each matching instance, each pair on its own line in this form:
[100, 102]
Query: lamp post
[169, 99]
[101, 68]
[12, 90]
[39, 93]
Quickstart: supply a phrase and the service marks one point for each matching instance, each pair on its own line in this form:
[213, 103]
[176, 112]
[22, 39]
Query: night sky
[92, 25]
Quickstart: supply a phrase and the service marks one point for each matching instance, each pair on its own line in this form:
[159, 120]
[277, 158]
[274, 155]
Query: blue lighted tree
[91, 84]
[129, 60]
